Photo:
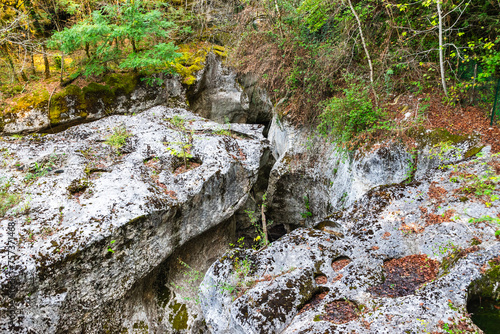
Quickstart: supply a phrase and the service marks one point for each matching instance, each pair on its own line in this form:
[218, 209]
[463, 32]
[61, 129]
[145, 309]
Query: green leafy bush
[346, 117]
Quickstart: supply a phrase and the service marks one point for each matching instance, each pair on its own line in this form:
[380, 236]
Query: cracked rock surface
[403, 258]
[92, 220]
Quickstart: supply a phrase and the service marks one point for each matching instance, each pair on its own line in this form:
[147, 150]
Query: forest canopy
[311, 55]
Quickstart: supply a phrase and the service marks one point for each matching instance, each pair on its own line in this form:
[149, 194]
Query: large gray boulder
[93, 221]
[401, 259]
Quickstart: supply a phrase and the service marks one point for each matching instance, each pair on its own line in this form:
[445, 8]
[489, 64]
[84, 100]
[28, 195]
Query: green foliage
[183, 153]
[7, 199]
[261, 237]
[178, 122]
[118, 138]
[308, 212]
[40, 169]
[109, 248]
[104, 34]
[442, 149]
[315, 12]
[346, 117]
[312, 41]
[192, 281]
[185, 144]
[241, 276]
[487, 219]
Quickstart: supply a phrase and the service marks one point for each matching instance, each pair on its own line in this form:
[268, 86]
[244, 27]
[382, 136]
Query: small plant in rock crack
[118, 138]
[224, 131]
[261, 238]
[191, 281]
[109, 248]
[177, 122]
[184, 144]
[240, 280]
[412, 166]
[239, 244]
[308, 212]
[41, 169]
[484, 185]
[184, 152]
[7, 199]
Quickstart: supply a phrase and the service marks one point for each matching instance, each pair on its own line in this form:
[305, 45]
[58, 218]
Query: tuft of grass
[118, 138]
[7, 200]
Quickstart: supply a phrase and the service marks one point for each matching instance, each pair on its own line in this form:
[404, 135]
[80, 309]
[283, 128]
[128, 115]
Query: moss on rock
[193, 60]
[487, 285]
[30, 101]
[179, 316]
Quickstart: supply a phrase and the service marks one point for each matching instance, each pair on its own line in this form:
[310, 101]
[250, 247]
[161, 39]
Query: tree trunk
[11, 63]
[62, 66]
[87, 51]
[46, 62]
[366, 51]
[264, 225]
[441, 61]
[33, 68]
[133, 45]
[23, 75]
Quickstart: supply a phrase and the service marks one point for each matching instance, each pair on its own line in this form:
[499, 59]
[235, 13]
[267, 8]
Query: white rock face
[291, 285]
[310, 169]
[94, 220]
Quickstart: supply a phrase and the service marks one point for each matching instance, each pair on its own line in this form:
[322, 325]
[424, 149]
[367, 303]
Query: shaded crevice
[483, 300]
[252, 209]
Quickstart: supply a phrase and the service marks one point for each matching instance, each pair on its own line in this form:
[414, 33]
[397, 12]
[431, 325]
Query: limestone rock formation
[403, 258]
[117, 94]
[311, 178]
[219, 96]
[94, 221]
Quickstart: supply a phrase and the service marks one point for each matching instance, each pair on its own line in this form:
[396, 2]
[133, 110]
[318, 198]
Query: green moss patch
[26, 102]
[435, 137]
[485, 287]
[79, 101]
[193, 60]
[179, 316]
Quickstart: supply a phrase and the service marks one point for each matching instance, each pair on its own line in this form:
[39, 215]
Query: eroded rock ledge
[94, 220]
[404, 258]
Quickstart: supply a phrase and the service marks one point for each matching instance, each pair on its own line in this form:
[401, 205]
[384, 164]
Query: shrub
[346, 117]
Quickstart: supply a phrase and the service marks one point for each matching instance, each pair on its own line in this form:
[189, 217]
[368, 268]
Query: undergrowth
[8, 199]
[118, 138]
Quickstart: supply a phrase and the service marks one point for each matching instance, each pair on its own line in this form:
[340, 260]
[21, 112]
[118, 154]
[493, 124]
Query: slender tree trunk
[279, 16]
[87, 50]
[33, 68]
[46, 62]
[11, 63]
[24, 76]
[474, 85]
[441, 60]
[134, 49]
[62, 66]
[264, 225]
[366, 51]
